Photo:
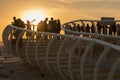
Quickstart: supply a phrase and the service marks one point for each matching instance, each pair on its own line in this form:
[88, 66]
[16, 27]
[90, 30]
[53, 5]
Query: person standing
[45, 28]
[99, 27]
[28, 25]
[58, 27]
[118, 29]
[88, 28]
[114, 28]
[40, 29]
[18, 23]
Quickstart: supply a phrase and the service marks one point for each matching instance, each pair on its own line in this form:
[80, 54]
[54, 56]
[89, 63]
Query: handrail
[85, 33]
[76, 37]
[76, 40]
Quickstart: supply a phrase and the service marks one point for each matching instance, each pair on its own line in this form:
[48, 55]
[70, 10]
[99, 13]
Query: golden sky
[65, 10]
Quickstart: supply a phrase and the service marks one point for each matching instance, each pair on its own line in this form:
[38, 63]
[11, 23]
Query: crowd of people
[52, 26]
[110, 29]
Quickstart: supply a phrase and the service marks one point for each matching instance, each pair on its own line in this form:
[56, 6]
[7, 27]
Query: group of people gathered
[109, 29]
[52, 26]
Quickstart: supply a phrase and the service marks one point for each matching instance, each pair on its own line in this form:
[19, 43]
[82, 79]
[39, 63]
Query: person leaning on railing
[18, 23]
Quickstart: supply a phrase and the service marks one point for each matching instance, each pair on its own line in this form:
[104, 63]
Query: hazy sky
[65, 10]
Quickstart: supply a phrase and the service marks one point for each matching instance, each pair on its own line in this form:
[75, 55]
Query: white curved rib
[70, 59]
[4, 36]
[100, 60]
[46, 55]
[7, 40]
[17, 46]
[26, 50]
[7, 32]
[58, 60]
[83, 59]
[12, 34]
[36, 53]
[113, 69]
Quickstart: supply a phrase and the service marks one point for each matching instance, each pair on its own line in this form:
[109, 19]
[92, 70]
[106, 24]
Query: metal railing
[69, 43]
[115, 39]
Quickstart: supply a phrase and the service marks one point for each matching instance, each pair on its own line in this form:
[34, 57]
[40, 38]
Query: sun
[34, 16]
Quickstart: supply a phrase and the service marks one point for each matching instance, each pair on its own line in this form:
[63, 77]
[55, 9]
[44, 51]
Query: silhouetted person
[83, 28]
[75, 27]
[110, 30]
[40, 28]
[92, 29]
[88, 28]
[99, 27]
[45, 28]
[45, 25]
[53, 25]
[55, 28]
[19, 23]
[68, 26]
[114, 28]
[28, 25]
[118, 29]
[58, 28]
[14, 21]
[50, 28]
[78, 27]
[105, 29]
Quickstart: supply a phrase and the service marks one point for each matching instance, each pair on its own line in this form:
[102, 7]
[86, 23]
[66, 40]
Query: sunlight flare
[34, 16]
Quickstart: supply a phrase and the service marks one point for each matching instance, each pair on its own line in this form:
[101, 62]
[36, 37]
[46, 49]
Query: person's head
[28, 21]
[58, 20]
[87, 24]
[46, 19]
[51, 18]
[14, 18]
[19, 19]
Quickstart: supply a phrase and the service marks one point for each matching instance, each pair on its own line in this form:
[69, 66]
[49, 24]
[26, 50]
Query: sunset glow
[65, 10]
[34, 16]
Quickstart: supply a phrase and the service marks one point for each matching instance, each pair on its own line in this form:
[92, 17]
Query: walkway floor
[13, 68]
